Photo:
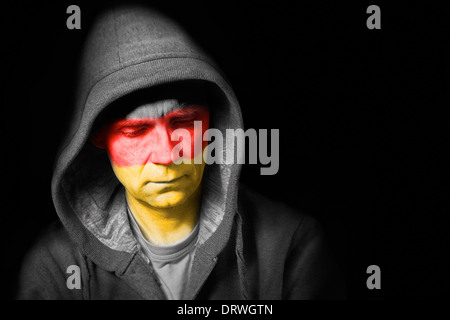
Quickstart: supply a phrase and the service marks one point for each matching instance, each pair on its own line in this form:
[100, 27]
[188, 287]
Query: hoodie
[248, 247]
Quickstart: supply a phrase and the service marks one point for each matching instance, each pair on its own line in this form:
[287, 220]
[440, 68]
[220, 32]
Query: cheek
[197, 144]
[128, 152]
[205, 126]
[128, 176]
[197, 173]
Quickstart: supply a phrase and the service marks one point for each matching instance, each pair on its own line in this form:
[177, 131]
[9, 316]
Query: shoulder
[51, 255]
[45, 267]
[276, 213]
[54, 243]
[274, 219]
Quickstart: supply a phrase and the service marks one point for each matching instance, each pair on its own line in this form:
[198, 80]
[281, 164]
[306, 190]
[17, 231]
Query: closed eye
[183, 122]
[133, 131]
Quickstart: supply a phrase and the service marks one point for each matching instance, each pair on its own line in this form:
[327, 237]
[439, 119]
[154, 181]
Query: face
[141, 152]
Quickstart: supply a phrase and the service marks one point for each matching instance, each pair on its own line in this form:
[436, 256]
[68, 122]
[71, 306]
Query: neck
[166, 226]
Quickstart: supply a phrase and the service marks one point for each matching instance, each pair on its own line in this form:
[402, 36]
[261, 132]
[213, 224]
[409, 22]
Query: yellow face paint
[164, 199]
[160, 186]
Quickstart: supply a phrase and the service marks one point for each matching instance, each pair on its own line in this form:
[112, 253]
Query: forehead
[155, 109]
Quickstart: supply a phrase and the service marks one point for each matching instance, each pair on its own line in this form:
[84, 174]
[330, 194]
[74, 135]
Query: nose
[161, 150]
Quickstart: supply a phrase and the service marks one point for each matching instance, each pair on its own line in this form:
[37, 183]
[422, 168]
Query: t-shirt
[172, 264]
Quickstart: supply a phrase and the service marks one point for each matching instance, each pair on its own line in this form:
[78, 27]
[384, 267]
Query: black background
[364, 127]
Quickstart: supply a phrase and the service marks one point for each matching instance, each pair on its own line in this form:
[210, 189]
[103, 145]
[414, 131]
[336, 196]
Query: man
[135, 223]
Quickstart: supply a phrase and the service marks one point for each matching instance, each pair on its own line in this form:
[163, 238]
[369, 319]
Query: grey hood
[131, 48]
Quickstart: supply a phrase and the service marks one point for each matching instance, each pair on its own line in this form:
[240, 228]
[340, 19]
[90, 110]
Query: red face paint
[131, 142]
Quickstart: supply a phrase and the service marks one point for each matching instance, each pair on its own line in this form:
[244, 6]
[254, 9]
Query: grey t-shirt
[172, 263]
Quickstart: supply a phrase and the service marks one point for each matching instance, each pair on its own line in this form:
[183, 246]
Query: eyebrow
[133, 122]
[182, 115]
[186, 110]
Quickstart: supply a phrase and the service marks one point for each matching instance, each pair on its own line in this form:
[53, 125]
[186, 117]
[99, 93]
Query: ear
[98, 138]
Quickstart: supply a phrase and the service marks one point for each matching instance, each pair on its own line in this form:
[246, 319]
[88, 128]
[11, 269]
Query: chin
[168, 200]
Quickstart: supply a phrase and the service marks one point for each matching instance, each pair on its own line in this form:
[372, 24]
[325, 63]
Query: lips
[165, 182]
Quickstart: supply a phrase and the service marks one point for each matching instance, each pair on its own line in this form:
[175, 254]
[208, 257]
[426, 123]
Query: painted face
[140, 149]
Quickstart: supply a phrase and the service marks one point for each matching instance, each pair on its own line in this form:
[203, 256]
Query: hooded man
[137, 224]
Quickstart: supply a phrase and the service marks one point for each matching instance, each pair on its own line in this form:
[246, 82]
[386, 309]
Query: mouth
[166, 181]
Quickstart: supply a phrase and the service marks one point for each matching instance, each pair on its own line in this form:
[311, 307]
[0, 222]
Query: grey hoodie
[248, 247]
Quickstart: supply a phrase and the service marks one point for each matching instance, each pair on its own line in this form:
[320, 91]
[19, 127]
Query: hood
[131, 48]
